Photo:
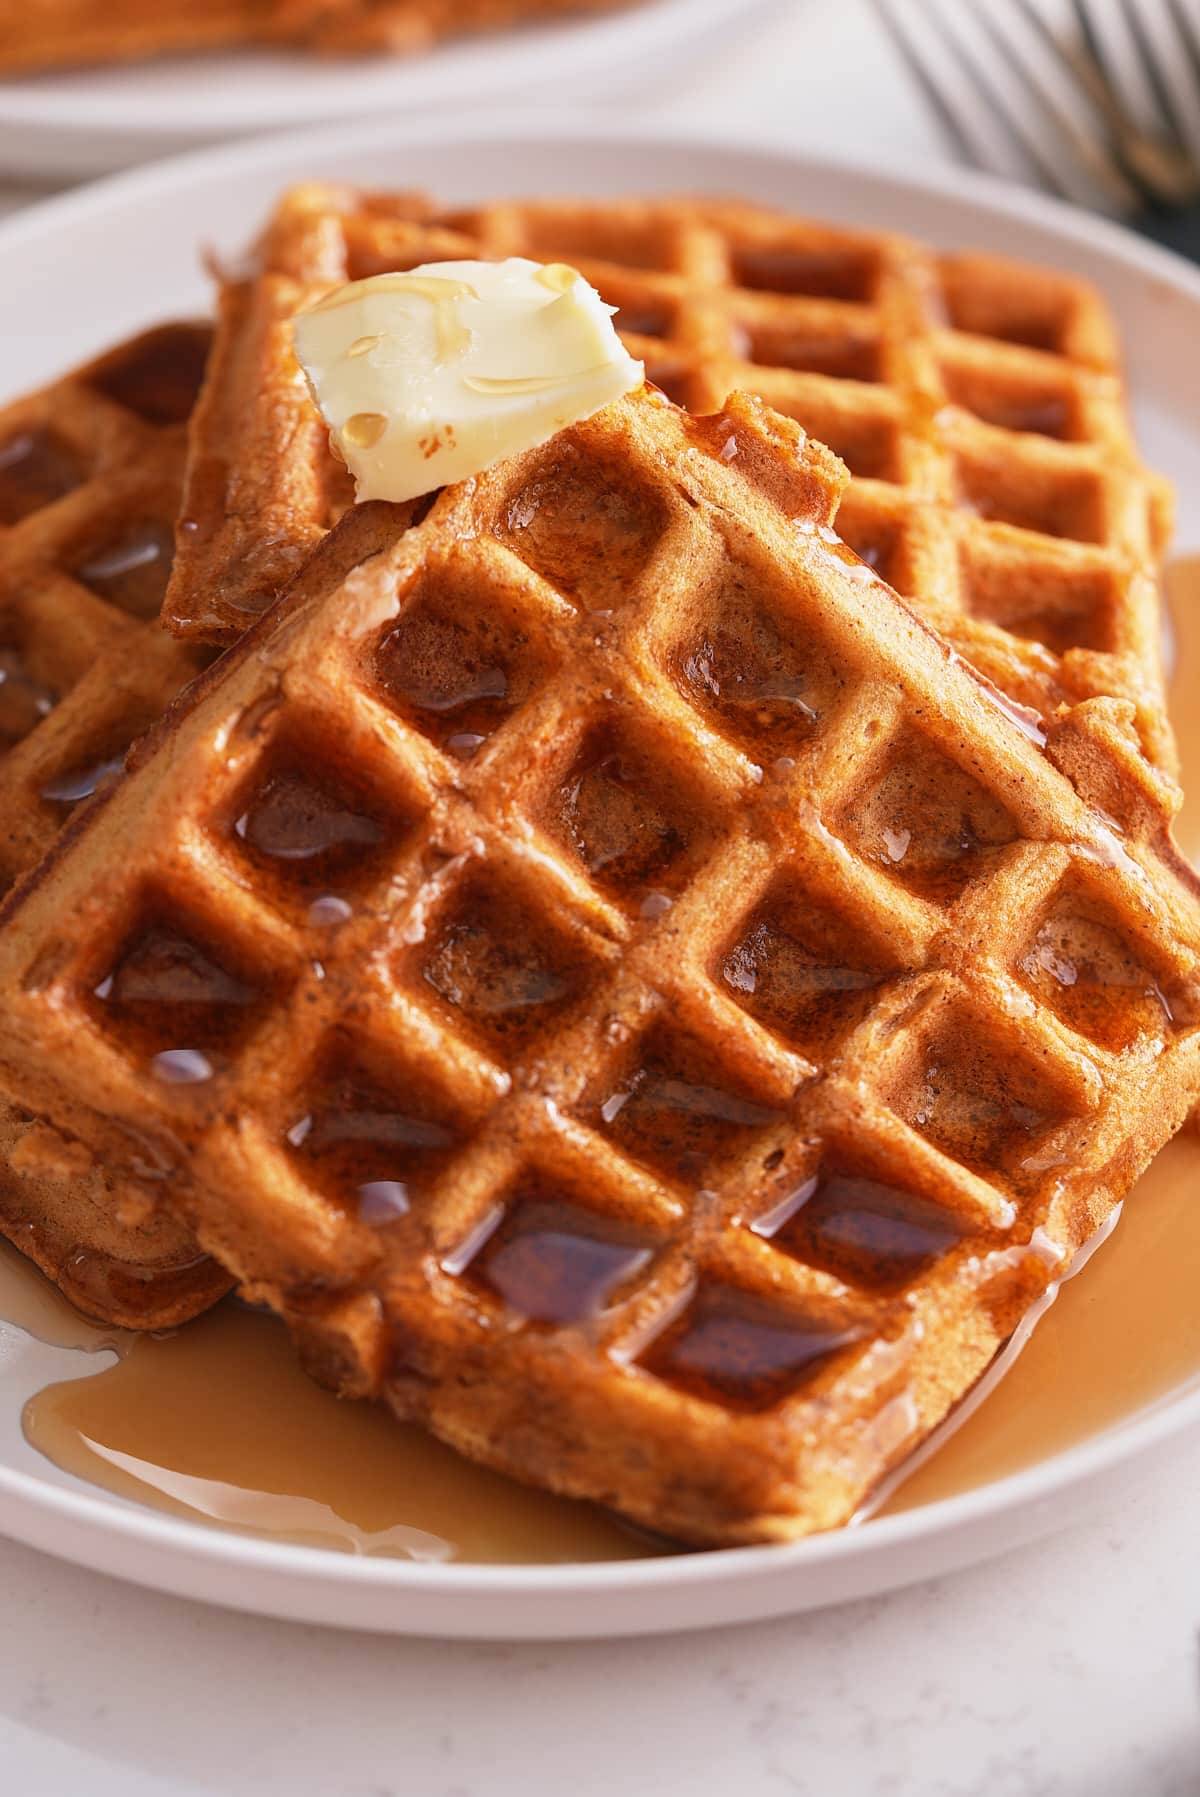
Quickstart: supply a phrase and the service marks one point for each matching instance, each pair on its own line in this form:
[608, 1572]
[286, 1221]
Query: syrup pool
[217, 1423]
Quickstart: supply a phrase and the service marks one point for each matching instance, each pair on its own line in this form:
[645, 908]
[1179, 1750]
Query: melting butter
[429, 377]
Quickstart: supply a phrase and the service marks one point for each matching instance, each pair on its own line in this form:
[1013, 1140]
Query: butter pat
[428, 377]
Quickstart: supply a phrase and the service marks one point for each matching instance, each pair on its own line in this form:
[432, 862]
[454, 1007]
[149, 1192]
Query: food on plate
[660, 939]
[629, 1022]
[90, 473]
[53, 34]
[977, 403]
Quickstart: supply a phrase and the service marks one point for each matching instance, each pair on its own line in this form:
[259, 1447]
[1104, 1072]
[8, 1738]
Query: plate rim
[498, 123]
[322, 1570]
[1077, 1465]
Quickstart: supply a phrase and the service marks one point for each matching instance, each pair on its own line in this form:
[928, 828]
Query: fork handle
[1178, 231]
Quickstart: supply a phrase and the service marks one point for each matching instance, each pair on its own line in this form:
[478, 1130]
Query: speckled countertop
[1066, 1669]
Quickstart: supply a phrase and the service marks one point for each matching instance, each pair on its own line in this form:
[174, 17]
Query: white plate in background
[130, 246]
[88, 121]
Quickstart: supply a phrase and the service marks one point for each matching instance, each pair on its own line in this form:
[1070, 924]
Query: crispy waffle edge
[1060, 832]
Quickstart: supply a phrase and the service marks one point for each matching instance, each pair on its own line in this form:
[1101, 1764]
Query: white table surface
[1069, 1668]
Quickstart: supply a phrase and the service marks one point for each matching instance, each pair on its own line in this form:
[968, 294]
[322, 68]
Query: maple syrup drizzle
[552, 1261]
[767, 685]
[863, 1229]
[30, 1303]
[36, 468]
[624, 834]
[929, 823]
[133, 572]
[174, 1001]
[369, 1150]
[1118, 1340]
[1113, 1343]
[798, 970]
[739, 1349]
[24, 700]
[506, 970]
[449, 680]
[284, 1459]
[157, 377]
[308, 832]
[71, 788]
[291, 1462]
[666, 1112]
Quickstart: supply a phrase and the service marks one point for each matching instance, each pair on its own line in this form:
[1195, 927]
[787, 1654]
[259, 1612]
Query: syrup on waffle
[978, 405]
[652, 1011]
[62, 33]
[90, 474]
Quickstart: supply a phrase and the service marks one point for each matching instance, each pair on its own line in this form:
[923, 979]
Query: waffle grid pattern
[806, 1240]
[90, 475]
[977, 403]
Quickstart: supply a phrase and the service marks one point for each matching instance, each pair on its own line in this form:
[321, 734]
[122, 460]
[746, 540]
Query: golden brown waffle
[618, 984]
[978, 405]
[116, 1254]
[73, 33]
[413, 25]
[90, 473]
[61, 33]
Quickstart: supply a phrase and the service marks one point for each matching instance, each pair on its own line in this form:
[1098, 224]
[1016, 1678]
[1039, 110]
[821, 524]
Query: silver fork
[1099, 99]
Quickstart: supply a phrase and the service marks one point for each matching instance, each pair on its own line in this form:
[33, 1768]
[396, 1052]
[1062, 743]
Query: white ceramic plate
[87, 268]
[87, 121]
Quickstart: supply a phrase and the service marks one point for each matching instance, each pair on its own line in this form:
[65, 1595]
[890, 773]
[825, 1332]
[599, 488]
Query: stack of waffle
[90, 474]
[977, 405]
[626, 987]
[67, 33]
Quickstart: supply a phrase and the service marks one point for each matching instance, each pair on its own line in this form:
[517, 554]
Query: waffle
[652, 1012]
[978, 405]
[414, 25]
[90, 473]
[63, 33]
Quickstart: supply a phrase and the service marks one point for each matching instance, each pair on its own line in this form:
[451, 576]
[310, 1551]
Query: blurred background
[1098, 100]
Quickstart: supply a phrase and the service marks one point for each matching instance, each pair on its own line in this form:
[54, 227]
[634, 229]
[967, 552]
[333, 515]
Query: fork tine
[1181, 70]
[1119, 163]
[1088, 65]
[1161, 172]
[974, 66]
[953, 117]
[1097, 161]
[1189, 35]
[957, 108]
[1156, 75]
[1093, 43]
